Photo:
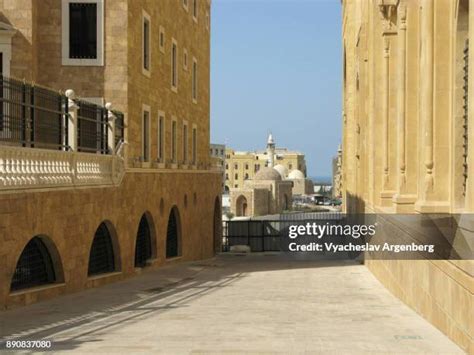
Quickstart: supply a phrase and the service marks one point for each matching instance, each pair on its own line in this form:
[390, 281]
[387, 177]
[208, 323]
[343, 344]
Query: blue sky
[276, 66]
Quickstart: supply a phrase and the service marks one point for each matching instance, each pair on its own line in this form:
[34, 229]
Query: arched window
[35, 266]
[143, 251]
[101, 256]
[173, 234]
[241, 206]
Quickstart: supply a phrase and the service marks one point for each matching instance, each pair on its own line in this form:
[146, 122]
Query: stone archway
[39, 264]
[173, 234]
[241, 206]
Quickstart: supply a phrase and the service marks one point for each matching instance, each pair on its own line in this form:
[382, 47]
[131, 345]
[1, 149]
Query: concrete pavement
[232, 304]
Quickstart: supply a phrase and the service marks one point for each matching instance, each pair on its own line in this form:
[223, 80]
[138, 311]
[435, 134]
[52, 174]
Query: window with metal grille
[83, 30]
[34, 268]
[172, 246]
[101, 256]
[143, 243]
[465, 115]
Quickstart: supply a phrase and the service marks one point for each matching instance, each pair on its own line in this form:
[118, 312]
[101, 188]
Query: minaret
[270, 151]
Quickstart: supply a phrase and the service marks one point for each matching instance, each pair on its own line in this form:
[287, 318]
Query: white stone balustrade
[29, 168]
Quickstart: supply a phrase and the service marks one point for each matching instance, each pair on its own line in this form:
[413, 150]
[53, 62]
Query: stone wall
[70, 217]
[402, 137]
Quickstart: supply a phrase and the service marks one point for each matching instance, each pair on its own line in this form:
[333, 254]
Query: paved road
[233, 304]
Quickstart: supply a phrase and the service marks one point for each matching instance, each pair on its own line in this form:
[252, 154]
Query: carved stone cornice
[388, 10]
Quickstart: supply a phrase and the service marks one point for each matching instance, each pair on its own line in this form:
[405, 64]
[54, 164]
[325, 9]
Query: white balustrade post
[72, 120]
[111, 128]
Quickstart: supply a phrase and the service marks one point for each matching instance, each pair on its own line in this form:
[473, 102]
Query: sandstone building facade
[267, 193]
[241, 166]
[147, 199]
[407, 127]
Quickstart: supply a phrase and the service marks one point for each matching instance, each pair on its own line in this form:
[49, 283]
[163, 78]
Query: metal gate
[143, 243]
[172, 236]
[101, 257]
[266, 234]
[258, 235]
[34, 268]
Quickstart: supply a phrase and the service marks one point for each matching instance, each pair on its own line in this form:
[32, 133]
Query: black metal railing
[268, 234]
[36, 117]
[119, 127]
[92, 127]
[32, 116]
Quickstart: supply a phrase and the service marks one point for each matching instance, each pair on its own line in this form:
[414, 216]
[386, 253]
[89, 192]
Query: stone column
[427, 29]
[387, 10]
[386, 95]
[110, 129]
[402, 38]
[72, 120]
[426, 105]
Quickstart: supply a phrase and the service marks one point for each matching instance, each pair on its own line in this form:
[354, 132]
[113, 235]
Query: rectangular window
[146, 42]
[185, 59]
[194, 145]
[174, 66]
[161, 133]
[194, 80]
[173, 141]
[195, 9]
[185, 143]
[82, 32]
[162, 39]
[146, 136]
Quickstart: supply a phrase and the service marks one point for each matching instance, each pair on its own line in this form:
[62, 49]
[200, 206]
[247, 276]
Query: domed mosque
[301, 185]
[269, 192]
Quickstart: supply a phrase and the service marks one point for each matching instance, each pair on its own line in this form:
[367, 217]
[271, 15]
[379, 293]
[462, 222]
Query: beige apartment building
[407, 129]
[113, 177]
[241, 166]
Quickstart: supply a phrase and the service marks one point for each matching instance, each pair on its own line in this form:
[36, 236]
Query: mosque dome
[268, 174]
[296, 174]
[282, 170]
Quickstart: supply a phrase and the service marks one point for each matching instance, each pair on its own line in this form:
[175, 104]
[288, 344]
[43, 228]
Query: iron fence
[268, 234]
[92, 124]
[36, 117]
[119, 127]
[32, 116]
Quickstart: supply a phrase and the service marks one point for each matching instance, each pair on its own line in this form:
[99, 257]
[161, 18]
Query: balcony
[48, 139]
